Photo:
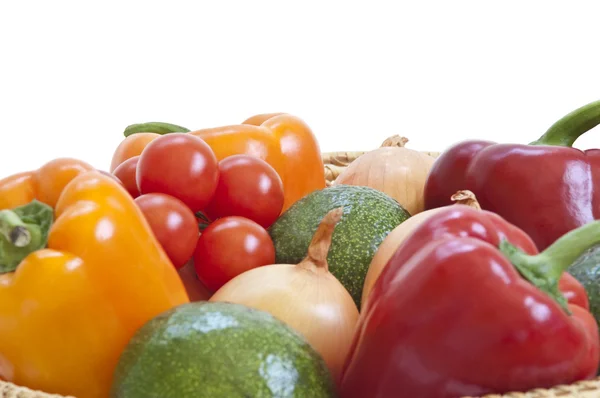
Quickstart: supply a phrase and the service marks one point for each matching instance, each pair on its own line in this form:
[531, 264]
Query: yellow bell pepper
[72, 295]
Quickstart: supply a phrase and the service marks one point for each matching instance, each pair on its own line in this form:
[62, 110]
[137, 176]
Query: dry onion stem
[306, 296]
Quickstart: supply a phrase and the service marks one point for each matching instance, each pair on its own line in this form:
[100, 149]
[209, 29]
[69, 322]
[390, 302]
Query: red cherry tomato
[126, 173]
[230, 246]
[195, 289]
[180, 165]
[173, 224]
[248, 187]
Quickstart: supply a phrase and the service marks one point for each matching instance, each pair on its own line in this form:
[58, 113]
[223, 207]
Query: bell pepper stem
[545, 269]
[154, 127]
[14, 229]
[23, 230]
[571, 126]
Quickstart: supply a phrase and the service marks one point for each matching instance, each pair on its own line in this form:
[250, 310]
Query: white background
[73, 74]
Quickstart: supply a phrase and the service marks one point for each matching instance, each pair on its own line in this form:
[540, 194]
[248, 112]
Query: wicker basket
[335, 162]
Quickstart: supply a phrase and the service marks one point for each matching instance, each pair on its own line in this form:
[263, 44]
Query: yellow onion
[390, 244]
[305, 296]
[398, 171]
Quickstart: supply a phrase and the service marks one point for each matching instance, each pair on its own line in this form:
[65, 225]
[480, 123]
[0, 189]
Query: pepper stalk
[571, 126]
[23, 230]
[545, 269]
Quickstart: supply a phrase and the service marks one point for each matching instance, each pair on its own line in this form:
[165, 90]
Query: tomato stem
[154, 127]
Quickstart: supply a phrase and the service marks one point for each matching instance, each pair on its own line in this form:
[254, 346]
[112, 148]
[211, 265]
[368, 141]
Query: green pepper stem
[563, 252]
[23, 230]
[545, 269]
[14, 229]
[571, 126]
[154, 127]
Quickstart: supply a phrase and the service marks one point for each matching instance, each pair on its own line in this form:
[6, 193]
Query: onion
[390, 244]
[305, 296]
[398, 171]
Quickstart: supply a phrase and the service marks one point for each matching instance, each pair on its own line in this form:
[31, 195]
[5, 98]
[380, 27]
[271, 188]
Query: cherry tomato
[195, 289]
[248, 187]
[180, 165]
[230, 246]
[114, 177]
[126, 173]
[173, 224]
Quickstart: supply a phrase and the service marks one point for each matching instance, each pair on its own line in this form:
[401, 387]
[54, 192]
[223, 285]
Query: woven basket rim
[580, 389]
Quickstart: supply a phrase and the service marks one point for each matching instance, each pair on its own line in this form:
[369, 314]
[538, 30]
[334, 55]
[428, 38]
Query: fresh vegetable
[230, 246]
[305, 296]
[467, 307]
[225, 141]
[70, 302]
[44, 184]
[545, 188]
[395, 238]
[130, 147]
[154, 127]
[180, 165]
[369, 216]
[303, 169]
[257, 120]
[586, 269]
[243, 139]
[283, 141]
[219, 350]
[173, 224]
[398, 171]
[248, 187]
[195, 289]
[126, 173]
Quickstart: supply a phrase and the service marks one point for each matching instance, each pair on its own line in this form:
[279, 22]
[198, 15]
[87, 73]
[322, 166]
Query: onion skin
[397, 171]
[305, 296]
[395, 238]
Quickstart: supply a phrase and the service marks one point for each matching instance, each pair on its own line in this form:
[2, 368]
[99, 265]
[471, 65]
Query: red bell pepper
[546, 188]
[466, 306]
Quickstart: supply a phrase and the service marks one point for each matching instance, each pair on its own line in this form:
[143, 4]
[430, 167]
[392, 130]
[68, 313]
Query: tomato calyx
[203, 221]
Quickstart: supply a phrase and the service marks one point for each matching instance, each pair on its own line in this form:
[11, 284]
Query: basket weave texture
[335, 162]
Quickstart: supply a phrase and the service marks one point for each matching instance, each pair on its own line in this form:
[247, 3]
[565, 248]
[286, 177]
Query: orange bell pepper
[259, 119]
[71, 299]
[303, 171]
[242, 138]
[131, 146]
